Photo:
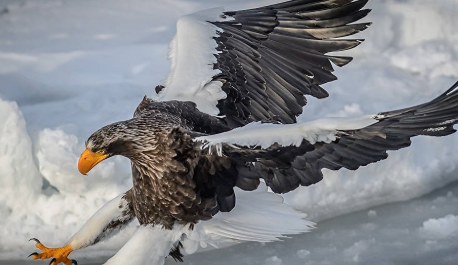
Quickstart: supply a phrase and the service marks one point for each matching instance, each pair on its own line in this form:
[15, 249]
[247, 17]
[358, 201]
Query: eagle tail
[259, 216]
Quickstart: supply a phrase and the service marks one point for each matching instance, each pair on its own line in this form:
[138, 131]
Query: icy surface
[395, 236]
[69, 67]
[445, 227]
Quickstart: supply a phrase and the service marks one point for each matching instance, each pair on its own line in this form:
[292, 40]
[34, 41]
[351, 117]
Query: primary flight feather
[225, 119]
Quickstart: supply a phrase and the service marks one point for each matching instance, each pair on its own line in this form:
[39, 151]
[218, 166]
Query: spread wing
[258, 64]
[289, 155]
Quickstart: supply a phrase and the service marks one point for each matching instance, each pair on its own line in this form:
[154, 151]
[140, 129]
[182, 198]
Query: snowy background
[68, 68]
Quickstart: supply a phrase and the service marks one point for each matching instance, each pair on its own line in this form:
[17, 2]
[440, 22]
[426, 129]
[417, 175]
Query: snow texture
[441, 227]
[68, 68]
[394, 237]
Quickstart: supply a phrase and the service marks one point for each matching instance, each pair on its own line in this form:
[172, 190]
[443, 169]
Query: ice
[274, 260]
[444, 227]
[372, 213]
[303, 253]
[68, 68]
[47, 62]
[20, 180]
[394, 237]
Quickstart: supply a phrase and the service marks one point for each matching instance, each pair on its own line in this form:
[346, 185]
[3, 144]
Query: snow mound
[274, 260]
[20, 180]
[439, 228]
[58, 153]
[46, 203]
[302, 253]
[358, 248]
[393, 237]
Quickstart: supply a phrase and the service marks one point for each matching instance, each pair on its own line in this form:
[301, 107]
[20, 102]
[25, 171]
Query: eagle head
[126, 138]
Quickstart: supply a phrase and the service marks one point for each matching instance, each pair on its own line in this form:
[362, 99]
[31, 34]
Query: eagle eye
[102, 151]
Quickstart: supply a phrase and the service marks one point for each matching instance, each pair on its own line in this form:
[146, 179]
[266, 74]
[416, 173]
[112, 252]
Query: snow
[19, 174]
[393, 237]
[303, 253]
[444, 227]
[68, 68]
[274, 260]
[372, 213]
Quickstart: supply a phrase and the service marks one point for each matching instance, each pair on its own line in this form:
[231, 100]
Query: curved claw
[36, 240]
[58, 255]
[34, 253]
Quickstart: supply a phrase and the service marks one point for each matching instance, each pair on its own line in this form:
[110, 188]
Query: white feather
[258, 216]
[191, 53]
[94, 226]
[149, 245]
[266, 134]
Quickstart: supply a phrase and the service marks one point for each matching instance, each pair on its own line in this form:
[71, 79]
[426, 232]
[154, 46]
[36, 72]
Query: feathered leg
[110, 219]
[149, 245]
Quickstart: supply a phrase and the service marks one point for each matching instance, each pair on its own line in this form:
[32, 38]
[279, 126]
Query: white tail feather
[259, 215]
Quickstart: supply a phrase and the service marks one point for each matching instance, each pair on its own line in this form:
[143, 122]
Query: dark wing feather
[270, 57]
[286, 168]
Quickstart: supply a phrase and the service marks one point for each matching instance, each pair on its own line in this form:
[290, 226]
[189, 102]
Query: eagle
[217, 144]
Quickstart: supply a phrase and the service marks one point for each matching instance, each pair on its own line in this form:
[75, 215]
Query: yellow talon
[59, 255]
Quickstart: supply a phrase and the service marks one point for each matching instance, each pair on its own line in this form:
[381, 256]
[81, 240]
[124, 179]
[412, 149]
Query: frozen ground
[423, 229]
[69, 67]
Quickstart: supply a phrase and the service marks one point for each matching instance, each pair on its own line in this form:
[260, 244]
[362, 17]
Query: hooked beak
[88, 160]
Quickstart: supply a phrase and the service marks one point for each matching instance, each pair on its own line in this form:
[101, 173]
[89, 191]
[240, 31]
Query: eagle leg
[59, 255]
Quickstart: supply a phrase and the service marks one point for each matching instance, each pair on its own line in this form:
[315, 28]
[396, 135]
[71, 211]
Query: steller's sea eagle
[225, 117]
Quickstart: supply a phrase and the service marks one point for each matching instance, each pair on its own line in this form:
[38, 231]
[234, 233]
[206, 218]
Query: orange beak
[88, 160]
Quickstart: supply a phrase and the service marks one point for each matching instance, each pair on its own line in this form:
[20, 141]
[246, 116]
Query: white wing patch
[265, 135]
[191, 53]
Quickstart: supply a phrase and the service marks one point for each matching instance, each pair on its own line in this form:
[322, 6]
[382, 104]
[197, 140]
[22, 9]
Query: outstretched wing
[289, 155]
[258, 64]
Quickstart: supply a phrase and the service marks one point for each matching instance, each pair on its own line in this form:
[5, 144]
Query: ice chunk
[440, 228]
[20, 181]
[274, 260]
[372, 213]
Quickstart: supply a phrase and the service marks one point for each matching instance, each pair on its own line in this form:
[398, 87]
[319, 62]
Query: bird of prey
[222, 130]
